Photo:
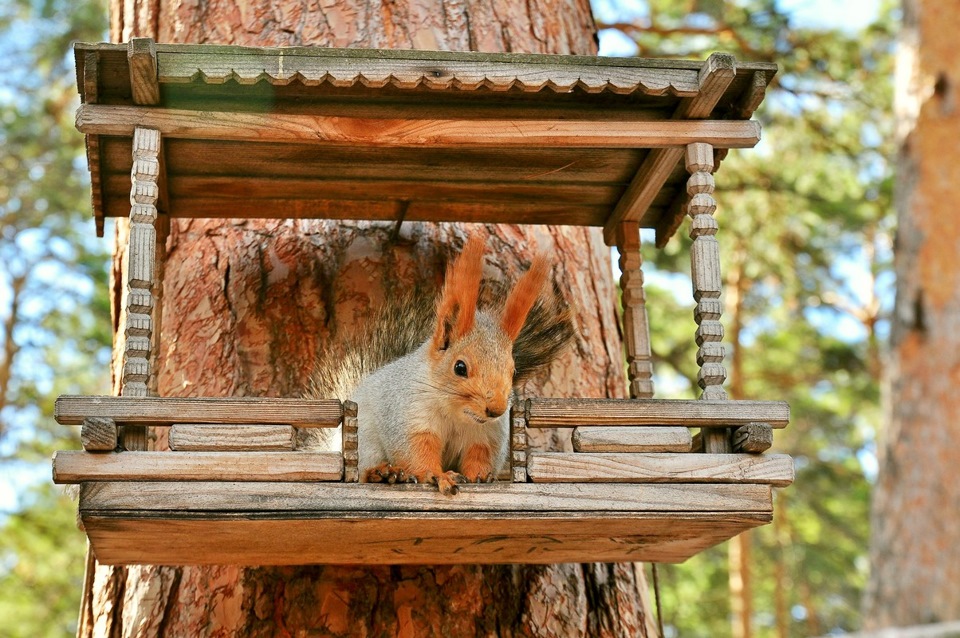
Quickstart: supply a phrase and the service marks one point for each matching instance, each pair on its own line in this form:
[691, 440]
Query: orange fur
[426, 463]
[457, 308]
[523, 296]
[477, 463]
[425, 454]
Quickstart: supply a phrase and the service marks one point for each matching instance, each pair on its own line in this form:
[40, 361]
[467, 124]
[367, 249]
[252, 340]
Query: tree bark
[915, 557]
[248, 302]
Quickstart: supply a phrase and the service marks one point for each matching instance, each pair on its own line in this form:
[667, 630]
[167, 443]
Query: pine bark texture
[246, 304]
[915, 557]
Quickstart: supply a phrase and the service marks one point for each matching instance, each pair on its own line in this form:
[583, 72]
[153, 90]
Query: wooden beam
[90, 94]
[412, 538]
[555, 213]
[304, 499]
[72, 410]
[716, 75]
[550, 413]
[612, 467]
[751, 98]
[643, 189]
[186, 437]
[77, 467]
[142, 58]
[626, 439]
[319, 129]
[236, 187]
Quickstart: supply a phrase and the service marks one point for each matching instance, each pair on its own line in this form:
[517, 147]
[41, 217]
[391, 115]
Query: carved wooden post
[705, 273]
[141, 274]
[636, 331]
[518, 442]
[351, 457]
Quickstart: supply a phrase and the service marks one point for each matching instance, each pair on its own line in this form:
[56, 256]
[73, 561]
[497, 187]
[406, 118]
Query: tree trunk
[248, 302]
[915, 557]
[739, 555]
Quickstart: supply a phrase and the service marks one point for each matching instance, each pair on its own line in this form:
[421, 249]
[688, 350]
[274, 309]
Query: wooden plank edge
[164, 411]
[617, 467]
[80, 467]
[494, 537]
[556, 412]
[302, 497]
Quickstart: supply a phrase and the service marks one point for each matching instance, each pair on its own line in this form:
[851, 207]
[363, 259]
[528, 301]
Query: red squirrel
[434, 388]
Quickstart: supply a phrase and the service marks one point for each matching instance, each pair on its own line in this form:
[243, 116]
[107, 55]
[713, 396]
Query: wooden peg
[98, 434]
[753, 437]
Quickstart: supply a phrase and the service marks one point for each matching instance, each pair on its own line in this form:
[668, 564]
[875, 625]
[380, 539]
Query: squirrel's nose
[495, 412]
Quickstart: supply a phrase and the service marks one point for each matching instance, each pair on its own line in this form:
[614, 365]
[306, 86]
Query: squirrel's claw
[481, 477]
[386, 473]
[447, 482]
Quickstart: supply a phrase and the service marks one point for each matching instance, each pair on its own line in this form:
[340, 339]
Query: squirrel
[434, 381]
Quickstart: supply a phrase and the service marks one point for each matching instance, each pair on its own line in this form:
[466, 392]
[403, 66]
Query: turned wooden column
[636, 331]
[707, 286]
[141, 275]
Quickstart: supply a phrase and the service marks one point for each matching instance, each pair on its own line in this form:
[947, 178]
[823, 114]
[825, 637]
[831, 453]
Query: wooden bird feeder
[223, 131]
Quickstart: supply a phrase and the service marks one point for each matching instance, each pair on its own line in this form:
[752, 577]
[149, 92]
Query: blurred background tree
[806, 224]
[54, 313]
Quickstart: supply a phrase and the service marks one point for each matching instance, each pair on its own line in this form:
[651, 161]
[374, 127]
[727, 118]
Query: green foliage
[54, 309]
[805, 230]
[41, 566]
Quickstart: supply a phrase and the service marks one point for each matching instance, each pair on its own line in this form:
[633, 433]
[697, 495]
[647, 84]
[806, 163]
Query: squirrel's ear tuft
[523, 296]
[457, 307]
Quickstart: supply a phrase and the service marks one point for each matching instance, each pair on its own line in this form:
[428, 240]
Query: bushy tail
[546, 332]
[397, 328]
[405, 322]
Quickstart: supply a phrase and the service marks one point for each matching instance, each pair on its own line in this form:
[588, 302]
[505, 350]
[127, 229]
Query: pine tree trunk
[915, 557]
[247, 303]
[738, 551]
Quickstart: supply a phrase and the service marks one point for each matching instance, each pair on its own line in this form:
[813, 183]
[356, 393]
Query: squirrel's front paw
[386, 473]
[446, 482]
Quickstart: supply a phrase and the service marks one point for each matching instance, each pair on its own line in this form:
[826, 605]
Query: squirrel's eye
[460, 369]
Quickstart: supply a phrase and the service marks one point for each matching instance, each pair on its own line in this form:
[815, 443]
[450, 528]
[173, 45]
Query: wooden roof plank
[414, 101]
[278, 67]
[716, 74]
[237, 187]
[318, 129]
[510, 166]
